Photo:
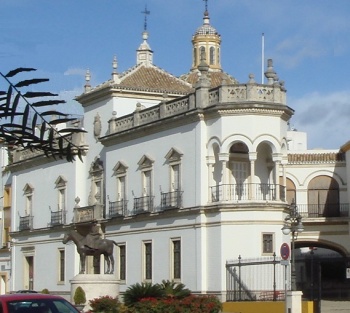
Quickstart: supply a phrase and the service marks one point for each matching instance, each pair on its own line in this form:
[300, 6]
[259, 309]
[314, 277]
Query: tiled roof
[206, 29]
[152, 78]
[216, 78]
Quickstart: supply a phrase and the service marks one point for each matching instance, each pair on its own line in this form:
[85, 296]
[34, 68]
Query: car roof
[27, 296]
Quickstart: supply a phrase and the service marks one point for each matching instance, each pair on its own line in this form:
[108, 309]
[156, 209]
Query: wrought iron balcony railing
[143, 204]
[118, 208]
[25, 222]
[58, 217]
[324, 210]
[171, 199]
[235, 192]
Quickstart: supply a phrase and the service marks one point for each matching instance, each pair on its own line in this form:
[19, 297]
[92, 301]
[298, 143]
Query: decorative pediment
[174, 155]
[145, 161]
[28, 188]
[96, 167]
[120, 168]
[60, 182]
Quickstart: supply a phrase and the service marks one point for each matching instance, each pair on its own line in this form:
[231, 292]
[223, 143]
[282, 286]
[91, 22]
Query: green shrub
[138, 291]
[45, 291]
[79, 296]
[173, 289]
[105, 304]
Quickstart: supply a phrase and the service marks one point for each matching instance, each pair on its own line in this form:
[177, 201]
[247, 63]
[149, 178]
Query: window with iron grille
[267, 243]
[61, 270]
[148, 261]
[122, 262]
[176, 243]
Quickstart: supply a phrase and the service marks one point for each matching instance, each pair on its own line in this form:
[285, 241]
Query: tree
[22, 124]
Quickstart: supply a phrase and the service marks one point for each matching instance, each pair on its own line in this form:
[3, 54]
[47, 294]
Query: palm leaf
[14, 106]
[19, 70]
[34, 94]
[47, 102]
[28, 82]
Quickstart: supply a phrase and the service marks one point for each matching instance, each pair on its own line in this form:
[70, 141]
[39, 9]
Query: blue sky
[309, 42]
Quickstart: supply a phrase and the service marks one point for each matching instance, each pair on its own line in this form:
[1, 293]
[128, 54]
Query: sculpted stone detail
[97, 126]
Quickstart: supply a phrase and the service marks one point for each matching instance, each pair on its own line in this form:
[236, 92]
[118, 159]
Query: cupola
[206, 40]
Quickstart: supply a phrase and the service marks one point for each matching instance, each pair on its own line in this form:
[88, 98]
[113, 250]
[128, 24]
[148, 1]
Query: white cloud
[325, 117]
[75, 71]
[292, 51]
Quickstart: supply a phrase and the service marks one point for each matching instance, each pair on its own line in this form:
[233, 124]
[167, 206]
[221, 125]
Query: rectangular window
[62, 199]
[147, 183]
[176, 259]
[148, 260]
[122, 262]
[175, 177]
[267, 243]
[121, 188]
[62, 260]
[29, 204]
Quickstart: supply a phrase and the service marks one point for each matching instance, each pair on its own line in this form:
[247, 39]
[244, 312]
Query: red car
[35, 303]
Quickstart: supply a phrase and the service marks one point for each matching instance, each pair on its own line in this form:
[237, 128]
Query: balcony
[25, 222]
[118, 208]
[246, 192]
[58, 218]
[143, 204]
[171, 200]
[324, 210]
[88, 213]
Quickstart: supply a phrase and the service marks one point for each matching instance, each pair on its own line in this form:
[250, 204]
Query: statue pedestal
[95, 285]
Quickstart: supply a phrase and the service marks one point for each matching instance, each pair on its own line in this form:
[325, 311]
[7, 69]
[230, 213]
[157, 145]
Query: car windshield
[41, 306]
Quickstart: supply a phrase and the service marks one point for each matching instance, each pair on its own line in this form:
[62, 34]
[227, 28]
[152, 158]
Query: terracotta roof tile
[216, 78]
[152, 78]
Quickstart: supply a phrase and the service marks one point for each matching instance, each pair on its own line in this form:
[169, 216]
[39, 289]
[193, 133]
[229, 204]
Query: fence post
[239, 278]
[274, 276]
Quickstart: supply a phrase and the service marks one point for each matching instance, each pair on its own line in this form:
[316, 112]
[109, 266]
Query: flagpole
[262, 57]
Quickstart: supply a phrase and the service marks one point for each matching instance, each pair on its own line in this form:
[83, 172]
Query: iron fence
[255, 280]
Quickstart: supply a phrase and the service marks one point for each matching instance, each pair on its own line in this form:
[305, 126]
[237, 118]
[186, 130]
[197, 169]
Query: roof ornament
[146, 12]
[206, 13]
[206, 5]
[115, 76]
[87, 81]
[144, 53]
[203, 68]
[270, 73]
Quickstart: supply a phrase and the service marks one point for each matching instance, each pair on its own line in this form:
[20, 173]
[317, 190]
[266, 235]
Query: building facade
[184, 174]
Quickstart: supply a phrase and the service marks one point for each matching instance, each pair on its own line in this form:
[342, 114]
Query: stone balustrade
[223, 95]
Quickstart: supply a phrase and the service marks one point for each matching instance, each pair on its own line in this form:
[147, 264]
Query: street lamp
[293, 225]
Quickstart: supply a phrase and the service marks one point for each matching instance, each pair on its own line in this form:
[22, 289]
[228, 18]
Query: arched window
[194, 56]
[291, 191]
[212, 55]
[202, 53]
[239, 167]
[323, 197]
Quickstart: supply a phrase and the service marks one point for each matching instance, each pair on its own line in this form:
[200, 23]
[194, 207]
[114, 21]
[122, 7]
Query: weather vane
[206, 5]
[146, 12]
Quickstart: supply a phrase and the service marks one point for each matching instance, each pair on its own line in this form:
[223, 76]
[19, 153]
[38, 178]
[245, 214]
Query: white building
[184, 174]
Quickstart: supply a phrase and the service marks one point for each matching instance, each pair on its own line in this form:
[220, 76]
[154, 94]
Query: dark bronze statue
[93, 245]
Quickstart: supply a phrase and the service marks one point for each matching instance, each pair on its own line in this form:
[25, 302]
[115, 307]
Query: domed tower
[206, 41]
